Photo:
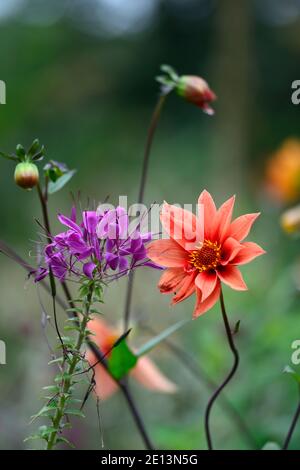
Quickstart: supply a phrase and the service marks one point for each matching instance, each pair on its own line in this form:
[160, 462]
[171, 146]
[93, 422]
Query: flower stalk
[66, 384]
[149, 142]
[229, 376]
[292, 428]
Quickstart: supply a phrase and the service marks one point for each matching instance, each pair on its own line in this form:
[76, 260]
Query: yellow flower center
[206, 257]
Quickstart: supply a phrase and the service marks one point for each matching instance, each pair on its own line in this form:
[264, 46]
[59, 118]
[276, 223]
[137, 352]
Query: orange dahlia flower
[145, 371]
[203, 251]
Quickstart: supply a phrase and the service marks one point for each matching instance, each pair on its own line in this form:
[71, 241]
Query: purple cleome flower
[100, 247]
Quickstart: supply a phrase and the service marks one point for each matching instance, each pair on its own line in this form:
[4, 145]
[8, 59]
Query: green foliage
[60, 182]
[72, 367]
[161, 337]
[121, 360]
[293, 373]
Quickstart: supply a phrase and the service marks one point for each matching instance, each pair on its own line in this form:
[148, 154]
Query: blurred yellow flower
[290, 220]
[283, 172]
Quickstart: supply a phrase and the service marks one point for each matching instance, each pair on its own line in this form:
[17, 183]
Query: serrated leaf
[53, 187]
[45, 411]
[75, 412]
[33, 437]
[65, 441]
[55, 361]
[52, 388]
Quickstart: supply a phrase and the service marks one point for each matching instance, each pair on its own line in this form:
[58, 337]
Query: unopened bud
[26, 175]
[290, 220]
[197, 91]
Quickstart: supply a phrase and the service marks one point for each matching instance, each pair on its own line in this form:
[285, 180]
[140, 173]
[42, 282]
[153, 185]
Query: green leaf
[55, 361]
[121, 360]
[293, 373]
[271, 446]
[20, 151]
[51, 388]
[169, 71]
[61, 182]
[45, 411]
[65, 441]
[9, 157]
[160, 337]
[75, 412]
[33, 147]
[33, 437]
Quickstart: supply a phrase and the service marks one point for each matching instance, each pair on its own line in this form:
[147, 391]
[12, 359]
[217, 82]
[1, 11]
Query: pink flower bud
[26, 175]
[197, 91]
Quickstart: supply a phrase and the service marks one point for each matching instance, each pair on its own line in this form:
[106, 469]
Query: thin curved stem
[149, 141]
[292, 428]
[227, 379]
[202, 376]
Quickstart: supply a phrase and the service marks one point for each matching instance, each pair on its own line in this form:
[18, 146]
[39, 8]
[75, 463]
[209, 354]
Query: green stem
[229, 376]
[67, 383]
[149, 141]
[292, 427]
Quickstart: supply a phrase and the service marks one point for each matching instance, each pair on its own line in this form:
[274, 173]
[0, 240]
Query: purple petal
[90, 220]
[88, 269]
[69, 223]
[40, 274]
[85, 254]
[73, 214]
[123, 263]
[112, 260]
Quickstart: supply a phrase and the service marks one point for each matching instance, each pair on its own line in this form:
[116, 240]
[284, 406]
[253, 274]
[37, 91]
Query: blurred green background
[80, 76]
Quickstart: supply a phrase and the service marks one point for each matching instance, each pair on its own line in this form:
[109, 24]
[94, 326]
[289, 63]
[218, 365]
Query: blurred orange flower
[283, 172]
[203, 251]
[145, 371]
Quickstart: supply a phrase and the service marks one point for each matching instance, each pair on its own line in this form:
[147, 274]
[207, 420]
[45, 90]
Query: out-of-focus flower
[191, 87]
[283, 172]
[203, 252]
[26, 175]
[100, 247]
[290, 220]
[145, 372]
[196, 90]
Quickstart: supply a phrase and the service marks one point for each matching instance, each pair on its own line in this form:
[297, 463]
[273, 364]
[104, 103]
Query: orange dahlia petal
[232, 276]
[203, 306]
[240, 227]
[206, 282]
[249, 252]
[167, 253]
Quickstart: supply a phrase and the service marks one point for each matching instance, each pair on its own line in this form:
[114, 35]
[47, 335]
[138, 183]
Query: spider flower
[203, 252]
[145, 371]
[100, 247]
